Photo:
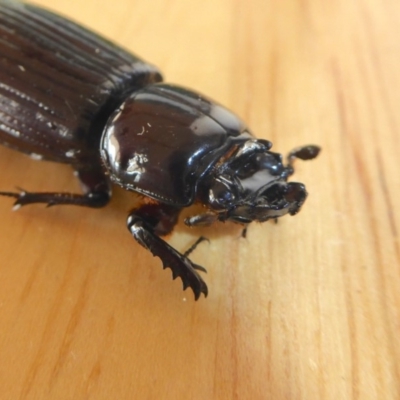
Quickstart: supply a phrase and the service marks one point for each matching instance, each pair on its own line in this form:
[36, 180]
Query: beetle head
[251, 185]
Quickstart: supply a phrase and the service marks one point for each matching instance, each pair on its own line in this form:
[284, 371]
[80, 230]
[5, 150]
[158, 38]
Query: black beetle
[70, 96]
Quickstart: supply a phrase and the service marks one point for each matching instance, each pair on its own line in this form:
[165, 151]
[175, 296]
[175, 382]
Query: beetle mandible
[67, 95]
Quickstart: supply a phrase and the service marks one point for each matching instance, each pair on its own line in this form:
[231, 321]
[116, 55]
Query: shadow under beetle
[70, 96]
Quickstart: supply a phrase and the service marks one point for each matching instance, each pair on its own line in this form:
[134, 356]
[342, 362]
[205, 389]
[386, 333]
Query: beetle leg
[151, 220]
[96, 192]
[193, 247]
[205, 219]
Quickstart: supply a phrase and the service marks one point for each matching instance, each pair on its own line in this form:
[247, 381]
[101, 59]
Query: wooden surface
[306, 309]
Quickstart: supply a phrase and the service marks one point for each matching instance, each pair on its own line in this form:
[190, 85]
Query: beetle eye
[247, 170]
[221, 195]
[226, 197]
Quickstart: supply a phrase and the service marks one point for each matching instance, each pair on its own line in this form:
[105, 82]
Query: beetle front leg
[151, 220]
[96, 192]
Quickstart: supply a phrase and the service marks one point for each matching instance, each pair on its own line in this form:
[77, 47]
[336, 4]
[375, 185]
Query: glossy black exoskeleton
[69, 96]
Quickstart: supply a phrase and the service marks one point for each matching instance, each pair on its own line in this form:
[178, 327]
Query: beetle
[70, 96]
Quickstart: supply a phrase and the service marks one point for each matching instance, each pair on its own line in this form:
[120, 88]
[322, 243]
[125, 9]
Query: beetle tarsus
[193, 247]
[199, 267]
[180, 265]
[95, 200]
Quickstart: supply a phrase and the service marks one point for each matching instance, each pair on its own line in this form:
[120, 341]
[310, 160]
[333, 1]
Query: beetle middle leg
[146, 224]
[95, 185]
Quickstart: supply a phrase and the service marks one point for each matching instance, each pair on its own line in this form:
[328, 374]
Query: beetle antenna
[307, 152]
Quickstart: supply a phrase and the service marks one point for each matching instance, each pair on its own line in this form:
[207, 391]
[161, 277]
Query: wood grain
[306, 309]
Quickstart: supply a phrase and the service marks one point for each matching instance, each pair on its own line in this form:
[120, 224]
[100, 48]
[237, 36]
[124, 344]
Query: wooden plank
[306, 309]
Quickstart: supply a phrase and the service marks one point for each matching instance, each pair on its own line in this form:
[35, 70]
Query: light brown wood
[306, 309]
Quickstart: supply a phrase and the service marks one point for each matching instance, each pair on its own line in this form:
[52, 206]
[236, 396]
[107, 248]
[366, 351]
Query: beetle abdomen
[59, 83]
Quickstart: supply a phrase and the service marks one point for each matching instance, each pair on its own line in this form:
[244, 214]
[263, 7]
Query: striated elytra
[70, 96]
